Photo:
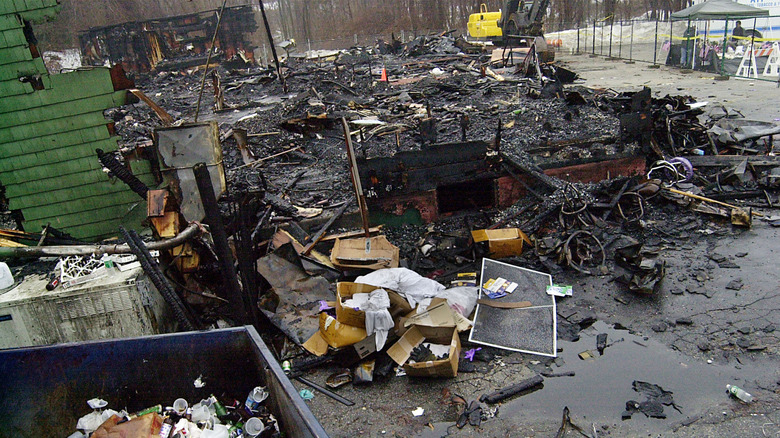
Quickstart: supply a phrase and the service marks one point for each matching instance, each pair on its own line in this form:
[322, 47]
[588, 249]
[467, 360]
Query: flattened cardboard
[347, 315]
[401, 350]
[351, 253]
[503, 242]
[439, 314]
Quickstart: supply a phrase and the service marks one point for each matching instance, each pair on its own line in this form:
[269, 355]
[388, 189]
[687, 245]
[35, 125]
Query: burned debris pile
[355, 213]
[447, 142]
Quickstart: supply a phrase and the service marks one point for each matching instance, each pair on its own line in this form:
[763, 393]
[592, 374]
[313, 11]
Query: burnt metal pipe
[192, 230]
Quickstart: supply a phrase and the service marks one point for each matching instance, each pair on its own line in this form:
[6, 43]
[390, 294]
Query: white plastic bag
[461, 299]
[411, 285]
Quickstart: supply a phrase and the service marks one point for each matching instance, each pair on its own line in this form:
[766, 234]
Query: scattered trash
[559, 291]
[418, 412]
[653, 406]
[199, 383]
[739, 393]
[470, 353]
[554, 186]
[306, 394]
[512, 390]
[587, 355]
[339, 379]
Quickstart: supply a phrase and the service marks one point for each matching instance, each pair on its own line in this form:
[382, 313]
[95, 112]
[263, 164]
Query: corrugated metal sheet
[50, 127]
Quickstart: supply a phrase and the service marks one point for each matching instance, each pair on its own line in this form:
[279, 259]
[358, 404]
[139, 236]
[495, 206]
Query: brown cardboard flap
[504, 304]
[316, 345]
[401, 350]
[344, 290]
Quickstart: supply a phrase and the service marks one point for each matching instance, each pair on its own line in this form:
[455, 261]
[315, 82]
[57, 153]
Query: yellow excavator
[518, 24]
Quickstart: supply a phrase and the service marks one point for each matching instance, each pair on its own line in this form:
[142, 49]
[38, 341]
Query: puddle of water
[601, 387]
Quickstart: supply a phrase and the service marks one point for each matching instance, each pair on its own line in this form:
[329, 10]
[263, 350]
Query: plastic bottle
[739, 393]
[167, 428]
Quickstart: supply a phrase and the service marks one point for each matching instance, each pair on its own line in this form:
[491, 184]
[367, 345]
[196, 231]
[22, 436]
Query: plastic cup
[219, 431]
[256, 397]
[180, 406]
[200, 413]
[253, 427]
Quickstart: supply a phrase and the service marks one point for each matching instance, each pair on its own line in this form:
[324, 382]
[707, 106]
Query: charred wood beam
[580, 142]
[733, 160]
[221, 246]
[152, 269]
[321, 233]
[533, 225]
[534, 171]
[520, 180]
[273, 46]
[737, 195]
[247, 262]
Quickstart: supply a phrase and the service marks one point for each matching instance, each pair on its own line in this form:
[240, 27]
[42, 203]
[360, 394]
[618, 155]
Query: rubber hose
[153, 271]
[121, 172]
[686, 165]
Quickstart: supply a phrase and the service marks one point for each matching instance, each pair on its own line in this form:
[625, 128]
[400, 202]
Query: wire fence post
[725, 43]
[655, 45]
[593, 47]
[578, 40]
[631, 45]
[611, 29]
[601, 43]
[620, 44]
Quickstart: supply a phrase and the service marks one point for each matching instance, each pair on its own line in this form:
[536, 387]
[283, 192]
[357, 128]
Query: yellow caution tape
[715, 37]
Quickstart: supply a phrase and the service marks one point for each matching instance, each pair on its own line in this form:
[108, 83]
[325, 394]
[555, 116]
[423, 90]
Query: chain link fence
[672, 43]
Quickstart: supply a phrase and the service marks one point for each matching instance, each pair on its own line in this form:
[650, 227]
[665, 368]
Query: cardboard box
[347, 315]
[504, 242]
[416, 335]
[351, 253]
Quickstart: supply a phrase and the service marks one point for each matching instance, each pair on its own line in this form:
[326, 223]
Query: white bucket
[6, 278]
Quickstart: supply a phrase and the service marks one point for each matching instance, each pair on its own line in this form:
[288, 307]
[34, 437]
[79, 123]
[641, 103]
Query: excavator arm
[527, 21]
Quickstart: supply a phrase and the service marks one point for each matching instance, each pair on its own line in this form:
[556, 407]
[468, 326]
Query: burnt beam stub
[417, 171]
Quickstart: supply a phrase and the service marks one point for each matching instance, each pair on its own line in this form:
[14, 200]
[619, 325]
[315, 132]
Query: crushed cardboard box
[504, 242]
[438, 324]
[416, 335]
[347, 315]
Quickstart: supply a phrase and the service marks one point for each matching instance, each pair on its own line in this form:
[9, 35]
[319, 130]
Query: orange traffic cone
[384, 75]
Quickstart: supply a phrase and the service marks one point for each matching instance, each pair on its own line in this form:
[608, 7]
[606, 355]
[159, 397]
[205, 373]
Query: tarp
[718, 10]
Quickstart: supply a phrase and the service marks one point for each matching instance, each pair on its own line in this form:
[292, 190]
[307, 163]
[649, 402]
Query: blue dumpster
[44, 390]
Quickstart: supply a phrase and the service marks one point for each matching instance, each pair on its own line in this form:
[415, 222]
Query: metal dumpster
[44, 390]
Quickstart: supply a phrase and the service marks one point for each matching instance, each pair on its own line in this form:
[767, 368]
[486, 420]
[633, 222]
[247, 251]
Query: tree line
[321, 20]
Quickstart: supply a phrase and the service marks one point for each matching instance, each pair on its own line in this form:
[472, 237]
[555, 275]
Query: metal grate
[97, 304]
[527, 330]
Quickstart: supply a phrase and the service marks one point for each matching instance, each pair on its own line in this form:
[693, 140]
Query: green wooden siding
[48, 138]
